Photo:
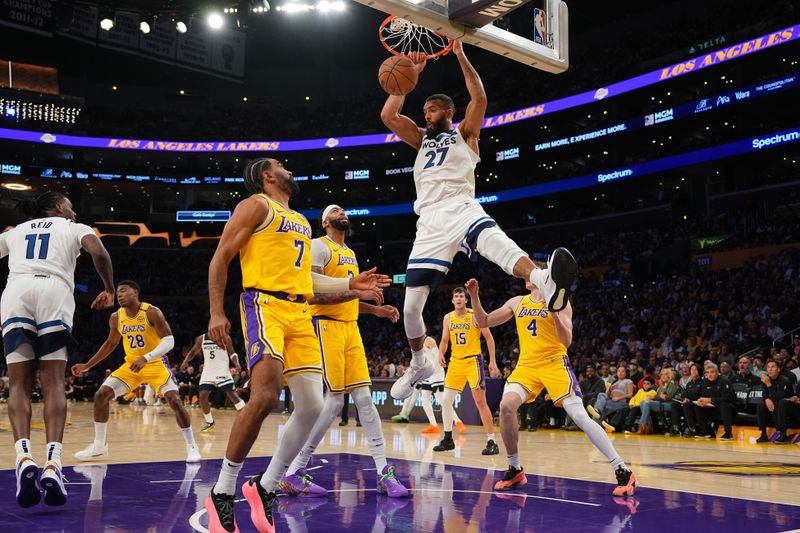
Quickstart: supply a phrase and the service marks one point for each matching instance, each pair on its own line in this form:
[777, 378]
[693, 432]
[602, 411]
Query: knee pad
[412, 311]
[497, 247]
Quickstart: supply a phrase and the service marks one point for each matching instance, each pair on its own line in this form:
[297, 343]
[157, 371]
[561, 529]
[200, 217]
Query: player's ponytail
[38, 207]
[252, 174]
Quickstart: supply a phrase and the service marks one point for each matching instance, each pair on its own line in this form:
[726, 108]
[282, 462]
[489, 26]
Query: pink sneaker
[220, 513]
[261, 503]
[301, 484]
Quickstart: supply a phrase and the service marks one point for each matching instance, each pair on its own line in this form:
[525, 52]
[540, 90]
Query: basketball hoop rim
[443, 51]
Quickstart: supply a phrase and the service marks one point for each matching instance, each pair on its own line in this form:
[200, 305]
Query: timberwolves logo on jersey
[441, 141]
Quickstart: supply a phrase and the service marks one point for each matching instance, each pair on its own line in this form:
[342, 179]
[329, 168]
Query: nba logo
[540, 26]
[649, 120]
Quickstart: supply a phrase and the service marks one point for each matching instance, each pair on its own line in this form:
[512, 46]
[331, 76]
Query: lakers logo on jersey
[278, 255]
[537, 332]
[465, 336]
[342, 264]
[138, 336]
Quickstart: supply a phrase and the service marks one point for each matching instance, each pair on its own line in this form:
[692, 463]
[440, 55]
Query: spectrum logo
[617, 174]
[781, 138]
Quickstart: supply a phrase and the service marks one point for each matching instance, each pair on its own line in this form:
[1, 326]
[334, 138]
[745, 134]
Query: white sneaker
[52, 482]
[192, 454]
[555, 283]
[28, 493]
[404, 386]
[90, 453]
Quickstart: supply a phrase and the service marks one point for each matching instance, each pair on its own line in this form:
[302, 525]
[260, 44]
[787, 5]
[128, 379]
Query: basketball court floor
[144, 484]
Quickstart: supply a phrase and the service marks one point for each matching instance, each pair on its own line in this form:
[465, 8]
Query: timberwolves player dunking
[450, 219]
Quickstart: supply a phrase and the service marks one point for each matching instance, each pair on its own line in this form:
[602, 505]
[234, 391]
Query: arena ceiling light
[215, 21]
[16, 186]
[106, 23]
[146, 24]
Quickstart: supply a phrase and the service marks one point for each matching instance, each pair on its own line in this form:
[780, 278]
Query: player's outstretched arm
[102, 263]
[401, 125]
[105, 349]
[381, 311]
[563, 322]
[470, 127]
[193, 352]
[496, 317]
[247, 216]
[490, 346]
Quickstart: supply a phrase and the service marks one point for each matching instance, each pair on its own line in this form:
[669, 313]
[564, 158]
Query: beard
[341, 225]
[290, 187]
[440, 126]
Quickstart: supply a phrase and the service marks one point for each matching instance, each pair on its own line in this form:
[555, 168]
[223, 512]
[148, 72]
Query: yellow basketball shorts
[554, 374]
[463, 371]
[344, 361]
[280, 329]
[156, 373]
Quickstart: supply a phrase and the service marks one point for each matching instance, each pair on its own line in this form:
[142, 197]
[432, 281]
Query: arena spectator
[716, 401]
[744, 375]
[619, 394]
[663, 402]
[777, 387]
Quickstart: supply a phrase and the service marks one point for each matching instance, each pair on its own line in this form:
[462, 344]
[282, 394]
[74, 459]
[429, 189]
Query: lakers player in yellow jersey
[460, 330]
[147, 339]
[274, 247]
[344, 361]
[543, 363]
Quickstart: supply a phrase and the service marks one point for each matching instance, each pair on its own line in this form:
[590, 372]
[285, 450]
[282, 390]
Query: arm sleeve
[166, 344]
[323, 283]
[320, 253]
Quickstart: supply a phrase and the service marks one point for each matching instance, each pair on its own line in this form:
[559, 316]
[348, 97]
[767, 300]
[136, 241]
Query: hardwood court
[715, 485]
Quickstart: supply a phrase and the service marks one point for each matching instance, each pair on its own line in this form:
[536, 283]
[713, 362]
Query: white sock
[239, 405]
[418, 357]
[53, 452]
[489, 437]
[228, 474]
[618, 462]
[188, 436]
[513, 460]
[209, 418]
[23, 447]
[100, 429]
[538, 277]
[371, 422]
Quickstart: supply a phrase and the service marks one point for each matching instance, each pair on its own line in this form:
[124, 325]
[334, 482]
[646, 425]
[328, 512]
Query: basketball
[398, 75]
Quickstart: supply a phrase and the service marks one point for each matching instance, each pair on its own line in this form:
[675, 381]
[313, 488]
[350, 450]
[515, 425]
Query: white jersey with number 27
[444, 170]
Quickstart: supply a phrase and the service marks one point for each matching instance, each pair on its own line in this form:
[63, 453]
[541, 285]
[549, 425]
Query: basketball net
[402, 37]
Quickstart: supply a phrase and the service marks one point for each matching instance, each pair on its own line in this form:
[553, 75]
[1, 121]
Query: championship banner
[37, 16]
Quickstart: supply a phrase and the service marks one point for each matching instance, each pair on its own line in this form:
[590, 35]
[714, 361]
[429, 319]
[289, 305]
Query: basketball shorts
[210, 381]
[37, 310]
[443, 230]
[463, 371]
[344, 361]
[156, 373]
[554, 374]
[279, 329]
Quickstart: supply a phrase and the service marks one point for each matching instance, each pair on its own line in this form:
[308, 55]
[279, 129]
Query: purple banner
[679, 69]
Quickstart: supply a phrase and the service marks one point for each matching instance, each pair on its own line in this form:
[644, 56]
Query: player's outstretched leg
[387, 483]
[626, 481]
[51, 375]
[448, 411]
[515, 475]
[421, 368]
[185, 423]
[205, 406]
[110, 389]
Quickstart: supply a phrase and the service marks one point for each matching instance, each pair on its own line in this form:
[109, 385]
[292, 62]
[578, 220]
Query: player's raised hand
[219, 329]
[388, 311]
[458, 48]
[369, 279]
[472, 287]
[79, 369]
[419, 60]
[104, 300]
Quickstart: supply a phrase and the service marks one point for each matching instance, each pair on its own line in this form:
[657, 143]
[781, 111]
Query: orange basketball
[398, 75]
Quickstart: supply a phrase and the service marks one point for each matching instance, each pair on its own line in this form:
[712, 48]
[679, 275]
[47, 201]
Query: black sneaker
[343, 422]
[626, 482]
[207, 426]
[261, 503]
[726, 436]
[762, 439]
[491, 448]
[513, 478]
[674, 432]
[220, 512]
[446, 444]
[533, 428]
[523, 427]
[783, 438]
[688, 433]
[562, 269]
